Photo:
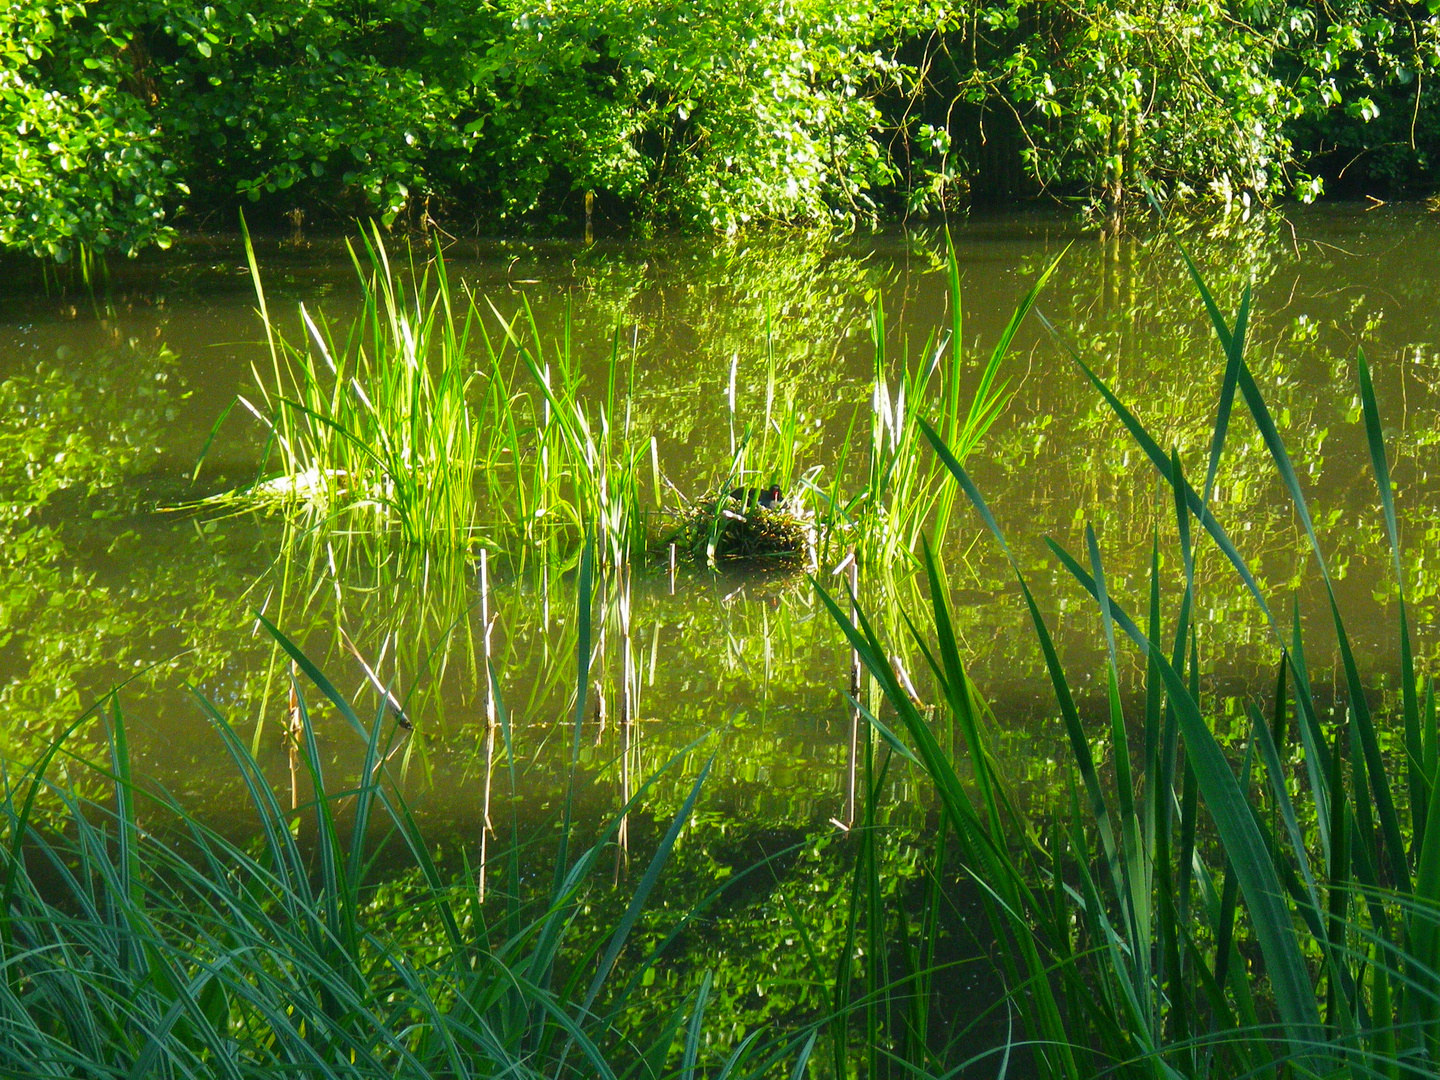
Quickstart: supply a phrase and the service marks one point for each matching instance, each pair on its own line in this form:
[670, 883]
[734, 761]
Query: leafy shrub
[702, 114]
[706, 115]
[84, 163]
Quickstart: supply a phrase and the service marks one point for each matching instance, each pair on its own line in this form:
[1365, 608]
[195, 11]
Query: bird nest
[724, 527]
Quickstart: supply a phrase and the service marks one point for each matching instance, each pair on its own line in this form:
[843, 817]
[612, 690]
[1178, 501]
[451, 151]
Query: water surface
[109, 396]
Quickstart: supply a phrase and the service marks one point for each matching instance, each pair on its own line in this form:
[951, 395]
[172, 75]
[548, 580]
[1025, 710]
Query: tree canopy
[121, 119]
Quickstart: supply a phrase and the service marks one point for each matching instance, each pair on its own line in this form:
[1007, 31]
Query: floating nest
[731, 528]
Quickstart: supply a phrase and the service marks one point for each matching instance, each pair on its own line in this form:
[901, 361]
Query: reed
[1196, 913]
[422, 418]
[379, 422]
[901, 492]
[435, 415]
[135, 940]
[589, 467]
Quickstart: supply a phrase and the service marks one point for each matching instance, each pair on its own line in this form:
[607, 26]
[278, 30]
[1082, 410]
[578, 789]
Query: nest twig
[721, 527]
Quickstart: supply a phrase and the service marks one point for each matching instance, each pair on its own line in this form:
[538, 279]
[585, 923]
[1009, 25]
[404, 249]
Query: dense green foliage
[81, 162]
[116, 114]
[714, 114]
[1235, 100]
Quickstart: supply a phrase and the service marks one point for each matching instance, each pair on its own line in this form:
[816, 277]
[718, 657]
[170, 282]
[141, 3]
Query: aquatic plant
[135, 939]
[1193, 915]
[454, 422]
[380, 420]
[421, 409]
[902, 491]
[583, 473]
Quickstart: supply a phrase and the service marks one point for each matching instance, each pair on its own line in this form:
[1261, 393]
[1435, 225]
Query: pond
[117, 417]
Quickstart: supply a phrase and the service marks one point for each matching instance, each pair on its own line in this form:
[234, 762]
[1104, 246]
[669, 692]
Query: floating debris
[312, 485]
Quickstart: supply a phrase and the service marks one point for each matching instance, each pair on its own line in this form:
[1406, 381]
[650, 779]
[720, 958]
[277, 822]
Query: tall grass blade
[584, 595]
[1385, 806]
[646, 885]
[1294, 991]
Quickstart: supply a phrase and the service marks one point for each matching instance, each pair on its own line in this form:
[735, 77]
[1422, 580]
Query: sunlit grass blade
[1234, 353]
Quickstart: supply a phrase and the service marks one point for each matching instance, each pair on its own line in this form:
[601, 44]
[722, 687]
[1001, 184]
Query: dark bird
[769, 498]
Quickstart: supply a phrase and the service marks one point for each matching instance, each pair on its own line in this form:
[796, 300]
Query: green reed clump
[451, 425]
[379, 422]
[421, 418]
[1192, 915]
[586, 465]
[901, 491]
[136, 941]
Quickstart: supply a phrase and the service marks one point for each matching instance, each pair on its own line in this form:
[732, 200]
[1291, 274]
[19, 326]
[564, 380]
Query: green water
[109, 397]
